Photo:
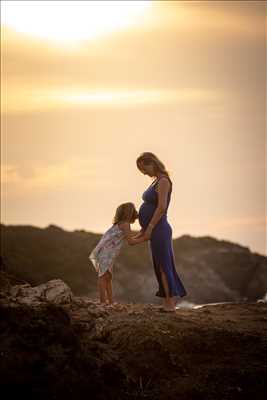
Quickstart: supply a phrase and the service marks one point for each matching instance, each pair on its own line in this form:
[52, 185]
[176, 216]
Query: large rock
[55, 291]
[133, 351]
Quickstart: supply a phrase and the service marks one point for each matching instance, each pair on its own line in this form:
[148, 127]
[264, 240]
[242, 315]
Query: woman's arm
[163, 190]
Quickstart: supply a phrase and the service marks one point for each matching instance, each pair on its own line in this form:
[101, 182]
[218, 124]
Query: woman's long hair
[150, 158]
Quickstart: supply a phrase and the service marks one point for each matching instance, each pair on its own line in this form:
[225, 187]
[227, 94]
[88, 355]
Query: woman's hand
[148, 231]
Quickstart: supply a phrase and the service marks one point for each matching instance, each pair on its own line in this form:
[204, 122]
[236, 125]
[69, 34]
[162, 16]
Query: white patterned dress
[107, 249]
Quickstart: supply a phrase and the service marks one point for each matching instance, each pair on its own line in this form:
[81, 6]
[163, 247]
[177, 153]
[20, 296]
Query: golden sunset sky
[87, 86]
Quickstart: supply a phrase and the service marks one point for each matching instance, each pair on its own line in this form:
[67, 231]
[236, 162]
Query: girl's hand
[138, 234]
[128, 234]
[138, 240]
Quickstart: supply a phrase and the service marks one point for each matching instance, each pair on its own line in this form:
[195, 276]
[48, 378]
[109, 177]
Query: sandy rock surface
[67, 347]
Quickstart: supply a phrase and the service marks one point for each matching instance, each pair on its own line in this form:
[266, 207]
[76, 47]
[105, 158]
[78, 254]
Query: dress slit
[165, 260]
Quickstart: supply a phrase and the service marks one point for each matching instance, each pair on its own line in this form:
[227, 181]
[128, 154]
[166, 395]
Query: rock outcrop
[55, 291]
[60, 346]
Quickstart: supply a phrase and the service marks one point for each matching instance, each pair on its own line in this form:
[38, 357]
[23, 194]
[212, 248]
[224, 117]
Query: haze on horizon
[185, 80]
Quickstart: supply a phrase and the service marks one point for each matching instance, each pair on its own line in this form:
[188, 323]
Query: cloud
[36, 178]
[188, 84]
[72, 20]
[180, 35]
[26, 99]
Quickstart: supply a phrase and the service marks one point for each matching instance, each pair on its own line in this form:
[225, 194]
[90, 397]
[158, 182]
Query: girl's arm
[125, 227]
[138, 240]
[138, 235]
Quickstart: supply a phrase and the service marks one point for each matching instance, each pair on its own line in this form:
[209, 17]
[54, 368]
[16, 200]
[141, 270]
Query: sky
[88, 86]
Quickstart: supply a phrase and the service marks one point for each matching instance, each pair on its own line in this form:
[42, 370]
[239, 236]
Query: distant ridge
[212, 270]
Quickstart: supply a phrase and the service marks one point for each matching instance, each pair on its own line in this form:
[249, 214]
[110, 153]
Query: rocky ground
[54, 345]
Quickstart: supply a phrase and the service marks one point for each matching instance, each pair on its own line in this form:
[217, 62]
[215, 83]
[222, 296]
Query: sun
[65, 21]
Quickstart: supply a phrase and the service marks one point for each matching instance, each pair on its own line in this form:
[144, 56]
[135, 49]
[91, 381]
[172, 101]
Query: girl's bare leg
[102, 288]
[109, 287]
[168, 301]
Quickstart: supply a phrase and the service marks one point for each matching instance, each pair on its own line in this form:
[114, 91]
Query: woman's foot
[175, 300]
[169, 303]
[168, 309]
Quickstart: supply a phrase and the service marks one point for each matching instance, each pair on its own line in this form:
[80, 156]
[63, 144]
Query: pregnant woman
[156, 228]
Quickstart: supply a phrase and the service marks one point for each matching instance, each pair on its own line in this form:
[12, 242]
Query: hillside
[212, 270]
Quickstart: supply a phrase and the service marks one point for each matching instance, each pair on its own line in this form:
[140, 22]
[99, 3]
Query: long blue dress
[161, 243]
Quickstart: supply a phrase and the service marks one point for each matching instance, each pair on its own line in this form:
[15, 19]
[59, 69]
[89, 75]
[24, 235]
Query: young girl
[104, 254]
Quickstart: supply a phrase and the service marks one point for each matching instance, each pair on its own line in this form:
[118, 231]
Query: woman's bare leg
[168, 301]
[102, 288]
[109, 287]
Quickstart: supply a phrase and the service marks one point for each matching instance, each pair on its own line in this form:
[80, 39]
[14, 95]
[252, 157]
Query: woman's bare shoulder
[163, 182]
[165, 178]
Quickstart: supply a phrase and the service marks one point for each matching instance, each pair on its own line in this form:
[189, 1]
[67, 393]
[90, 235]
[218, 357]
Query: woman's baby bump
[145, 213]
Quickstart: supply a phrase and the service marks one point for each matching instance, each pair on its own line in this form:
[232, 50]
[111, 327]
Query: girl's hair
[150, 158]
[125, 212]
